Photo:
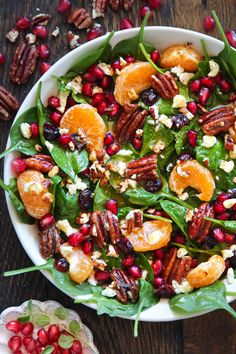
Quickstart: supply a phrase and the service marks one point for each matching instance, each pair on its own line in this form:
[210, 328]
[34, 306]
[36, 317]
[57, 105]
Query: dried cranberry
[231, 36]
[50, 132]
[149, 96]
[61, 265]
[125, 246]
[179, 121]
[153, 186]
[86, 200]
[165, 291]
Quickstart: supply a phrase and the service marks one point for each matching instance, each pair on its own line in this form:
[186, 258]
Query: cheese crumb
[182, 288]
[112, 252]
[62, 95]
[227, 166]
[230, 276]
[182, 252]
[53, 172]
[209, 141]
[179, 101]
[189, 215]
[229, 203]
[184, 78]
[183, 196]
[106, 68]
[75, 84]
[25, 130]
[214, 68]
[49, 146]
[109, 292]
[158, 146]
[227, 253]
[124, 153]
[232, 153]
[65, 226]
[165, 120]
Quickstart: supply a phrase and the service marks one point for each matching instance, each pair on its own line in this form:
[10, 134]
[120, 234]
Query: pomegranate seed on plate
[137, 144]
[102, 107]
[93, 33]
[113, 109]
[13, 326]
[158, 213]
[75, 239]
[116, 64]
[229, 142]
[43, 337]
[43, 51]
[53, 333]
[34, 130]
[102, 276]
[27, 328]
[85, 229]
[18, 165]
[97, 99]
[71, 102]
[44, 67]
[192, 137]
[179, 239]
[160, 253]
[126, 23]
[155, 56]
[208, 23]
[224, 216]
[87, 89]
[112, 205]
[222, 197]
[204, 94]
[23, 23]
[158, 281]
[46, 221]
[207, 82]
[54, 102]
[194, 263]
[218, 78]
[112, 149]
[15, 343]
[143, 10]
[2, 58]
[219, 208]
[195, 86]
[96, 71]
[231, 36]
[105, 82]
[218, 235]
[135, 271]
[61, 265]
[65, 139]
[157, 267]
[76, 347]
[129, 59]
[110, 97]
[87, 247]
[192, 107]
[29, 344]
[155, 4]
[229, 238]
[55, 117]
[109, 139]
[40, 31]
[89, 77]
[225, 86]
[63, 6]
[128, 261]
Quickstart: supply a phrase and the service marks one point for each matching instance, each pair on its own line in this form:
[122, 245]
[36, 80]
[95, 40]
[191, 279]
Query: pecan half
[218, 120]
[175, 268]
[9, 104]
[105, 227]
[143, 169]
[23, 63]
[165, 85]
[199, 228]
[80, 18]
[129, 121]
[50, 241]
[125, 286]
[116, 5]
[134, 219]
[40, 19]
[40, 162]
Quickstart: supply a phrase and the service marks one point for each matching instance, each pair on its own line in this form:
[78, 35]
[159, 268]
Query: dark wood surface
[214, 332]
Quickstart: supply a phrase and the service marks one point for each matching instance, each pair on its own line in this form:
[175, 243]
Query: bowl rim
[146, 315]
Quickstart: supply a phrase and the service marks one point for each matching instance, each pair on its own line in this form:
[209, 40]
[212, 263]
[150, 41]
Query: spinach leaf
[208, 298]
[229, 225]
[217, 98]
[55, 181]
[123, 212]
[79, 98]
[40, 112]
[213, 154]
[66, 205]
[78, 160]
[181, 135]
[167, 155]
[224, 181]
[102, 194]
[102, 52]
[142, 260]
[177, 213]
[203, 70]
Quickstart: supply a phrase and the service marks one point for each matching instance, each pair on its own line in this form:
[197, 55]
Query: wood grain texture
[213, 332]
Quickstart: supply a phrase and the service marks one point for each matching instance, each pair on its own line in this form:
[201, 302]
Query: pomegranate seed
[113, 109]
[110, 97]
[87, 247]
[180, 239]
[23, 23]
[105, 83]
[234, 207]
[208, 23]
[29, 344]
[155, 56]
[93, 33]
[27, 328]
[194, 263]
[65, 139]
[61, 265]
[40, 31]
[102, 107]
[43, 51]
[71, 102]
[158, 281]
[158, 213]
[53, 333]
[87, 89]
[97, 99]
[129, 59]
[112, 149]
[54, 102]
[135, 271]
[46, 221]
[86, 171]
[43, 337]
[231, 36]
[56, 117]
[229, 142]
[229, 238]
[219, 208]
[218, 78]
[137, 144]
[85, 229]
[89, 77]
[192, 137]
[192, 107]
[204, 94]
[64, 6]
[112, 205]
[207, 82]
[13, 326]
[157, 267]
[116, 64]
[224, 216]
[34, 130]
[125, 246]
[15, 343]
[225, 86]
[143, 10]
[195, 86]
[44, 67]
[18, 165]
[222, 197]
[218, 234]
[96, 71]
[160, 253]
[126, 23]
[128, 261]
[65, 351]
[75, 239]
[2, 58]
[109, 139]
[76, 347]
[39, 348]
[102, 276]
[155, 4]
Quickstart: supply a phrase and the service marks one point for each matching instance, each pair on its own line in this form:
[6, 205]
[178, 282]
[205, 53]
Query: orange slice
[182, 55]
[192, 174]
[81, 264]
[34, 193]
[153, 235]
[132, 80]
[86, 118]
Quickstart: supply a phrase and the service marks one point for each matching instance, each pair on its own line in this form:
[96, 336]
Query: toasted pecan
[50, 241]
[218, 120]
[9, 104]
[165, 85]
[125, 286]
[81, 18]
[199, 228]
[107, 228]
[143, 169]
[175, 268]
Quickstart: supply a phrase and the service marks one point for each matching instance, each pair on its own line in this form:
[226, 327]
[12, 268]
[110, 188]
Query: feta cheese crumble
[214, 68]
[227, 166]
[209, 141]
[179, 101]
[182, 288]
[25, 130]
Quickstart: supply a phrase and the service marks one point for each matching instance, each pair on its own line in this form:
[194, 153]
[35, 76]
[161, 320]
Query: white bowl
[159, 37]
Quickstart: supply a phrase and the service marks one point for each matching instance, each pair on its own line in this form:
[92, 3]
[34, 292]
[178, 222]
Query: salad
[129, 174]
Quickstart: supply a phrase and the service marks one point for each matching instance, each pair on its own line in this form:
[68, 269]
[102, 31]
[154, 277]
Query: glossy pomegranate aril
[46, 221]
[135, 271]
[160, 253]
[43, 337]
[112, 205]
[87, 247]
[225, 86]
[155, 56]
[195, 86]
[126, 23]
[125, 246]
[27, 328]
[56, 117]
[204, 94]
[65, 139]
[75, 239]
[229, 238]
[207, 82]
[129, 59]
[218, 234]
[143, 10]
[116, 64]
[219, 208]
[192, 107]
[43, 51]
[76, 347]
[113, 109]
[2, 58]
[96, 71]
[109, 139]
[231, 36]
[102, 276]
[158, 282]
[87, 89]
[53, 333]
[128, 261]
[61, 265]
[97, 99]
[102, 107]
[44, 67]
[93, 33]
[229, 143]
[34, 130]
[13, 326]
[105, 82]
[224, 216]
[15, 343]
[63, 6]
[208, 23]
[192, 137]
[40, 31]
[54, 102]
[29, 344]
[112, 149]
[157, 267]
[137, 144]
[180, 239]
[155, 4]
[18, 165]
[23, 23]
[194, 263]
[222, 197]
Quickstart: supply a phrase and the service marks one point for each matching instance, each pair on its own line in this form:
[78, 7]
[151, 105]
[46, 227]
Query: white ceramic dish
[159, 37]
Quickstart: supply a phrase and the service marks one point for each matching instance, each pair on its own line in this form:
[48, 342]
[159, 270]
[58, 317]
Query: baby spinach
[101, 195]
[142, 260]
[148, 58]
[203, 70]
[123, 212]
[55, 181]
[79, 98]
[224, 181]
[78, 160]
[229, 225]
[66, 205]
[181, 135]
[177, 213]
[213, 154]
[208, 298]
[167, 155]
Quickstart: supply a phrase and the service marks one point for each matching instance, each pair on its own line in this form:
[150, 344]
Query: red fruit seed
[102, 276]
[43, 337]
[109, 139]
[29, 344]
[195, 86]
[135, 271]
[46, 221]
[15, 343]
[224, 216]
[225, 86]
[192, 107]
[87, 89]
[55, 117]
[143, 10]
[208, 23]
[85, 229]
[137, 144]
[207, 82]
[34, 130]
[27, 328]
[113, 109]
[157, 267]
[87, 247]
[180, 239]
[222, 197]
[158, 281]
[128, 261]
[2, 58]
[43, 51]
[192, 137]
[116, 64]
[65, 139]
[64, 6]
[61, 265]
[218, 235]
[18, 165]
[160, 253]
[53, 333]
[44, 67]
[102, 107]
[40, 31]
[54, 102]
[112, 149]
[93, 33]
[126, 23]
[112, 205]
[155, 56]
[194, 263]
[204, 94]
[76, 347]
[75, 239]
[105, 83]
[219, 208]
[23, 22]
[97, 72]
[13, 326]
[129, 59]
[155, 4]
[231, 36]
[97, 99]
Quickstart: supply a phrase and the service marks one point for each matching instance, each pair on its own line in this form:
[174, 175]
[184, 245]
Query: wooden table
[214, 332]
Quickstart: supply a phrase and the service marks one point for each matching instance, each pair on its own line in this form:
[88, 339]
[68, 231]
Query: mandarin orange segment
[132, 80]
[153, 235]
[182, 55]
[86, 118]
[81, 264]
[34, 193]
[192, 174]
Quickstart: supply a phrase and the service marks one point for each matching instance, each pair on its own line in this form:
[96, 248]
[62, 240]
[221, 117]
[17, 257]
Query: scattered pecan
[199, 228]
[106, 227]
[41, 19]
[80, 18]
[40, 162]
[175, 268]
[50, 241]
[100, 7]
[218, 120]
[143, 169]
[116, 5]
[165, 85]
[129, 121]
[9, 104]
[23, 63]
[125, 286]
[134, 219]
